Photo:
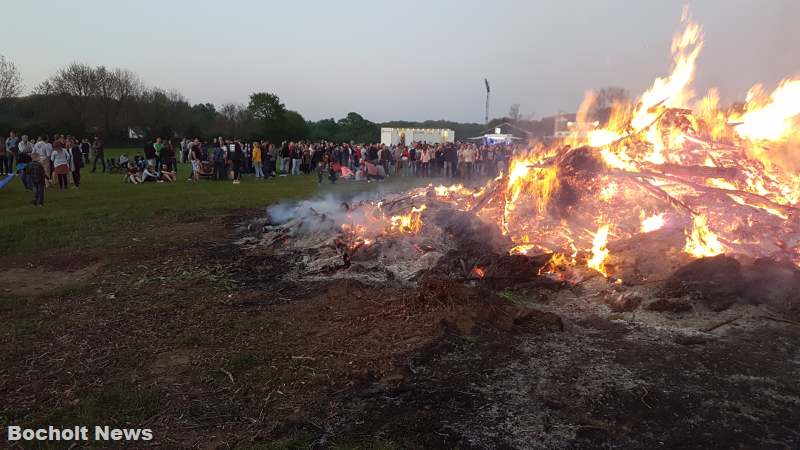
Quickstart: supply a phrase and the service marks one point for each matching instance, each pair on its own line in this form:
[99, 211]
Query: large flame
[666, 154]
[701, 241]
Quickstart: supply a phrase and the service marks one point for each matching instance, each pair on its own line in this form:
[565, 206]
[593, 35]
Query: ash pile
[400, 239]
[405, 239]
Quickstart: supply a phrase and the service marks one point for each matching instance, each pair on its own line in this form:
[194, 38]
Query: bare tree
[77, 84]
[10, 79]
[116, 88]
[235, 116]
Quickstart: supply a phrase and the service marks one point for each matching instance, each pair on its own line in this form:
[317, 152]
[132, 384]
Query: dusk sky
[403, 60]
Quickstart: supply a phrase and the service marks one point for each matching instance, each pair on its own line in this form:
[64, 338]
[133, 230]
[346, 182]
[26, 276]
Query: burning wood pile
[666, 181]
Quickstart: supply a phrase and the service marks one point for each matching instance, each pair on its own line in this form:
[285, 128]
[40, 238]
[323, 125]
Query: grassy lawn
[106, 210]
[105, 207]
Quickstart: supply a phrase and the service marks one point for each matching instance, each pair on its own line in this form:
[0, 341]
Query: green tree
[269, 114]
[265, 106]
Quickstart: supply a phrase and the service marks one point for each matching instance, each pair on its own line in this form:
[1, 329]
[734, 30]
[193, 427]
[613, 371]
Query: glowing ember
[522, 249]
[599, 250]
[557, 263]
[652, 223]
[701, 241]
[478, 272]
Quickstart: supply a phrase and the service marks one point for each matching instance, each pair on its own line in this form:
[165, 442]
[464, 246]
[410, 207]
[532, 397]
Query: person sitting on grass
[133, 174]
[168, 175]
[150, 174]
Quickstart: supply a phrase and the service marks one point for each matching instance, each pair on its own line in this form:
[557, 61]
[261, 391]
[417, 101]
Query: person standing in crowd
[274, 156]
[218, 158]
[25, 146]
[11, 150]
[267, 161]
[61, 160]
[150, 153]
[40, 148]
[425, 160]
[5, 167]
[235, 156]
[99, 153]
[167, 157]
[35, 172]
[24, 153]
[194, 158]
[77, 163]
[297, 157]
[256, 150]
[468, 156]
[184, 150]
[285, 159]
[157, 146]
[246, 157]
[85, 149]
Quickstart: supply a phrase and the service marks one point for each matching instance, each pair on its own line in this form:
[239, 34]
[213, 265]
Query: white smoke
[330, 212]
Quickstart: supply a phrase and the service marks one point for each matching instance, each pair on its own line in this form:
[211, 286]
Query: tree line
[115, 103]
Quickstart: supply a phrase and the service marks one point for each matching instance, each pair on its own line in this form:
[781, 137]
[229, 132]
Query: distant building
[395, 136]
[503, 133]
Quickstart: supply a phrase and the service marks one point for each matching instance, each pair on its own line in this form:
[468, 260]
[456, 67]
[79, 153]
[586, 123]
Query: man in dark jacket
[99, 153]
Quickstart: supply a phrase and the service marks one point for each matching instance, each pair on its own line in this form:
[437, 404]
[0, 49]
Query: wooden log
[758, 201]
[728, 173]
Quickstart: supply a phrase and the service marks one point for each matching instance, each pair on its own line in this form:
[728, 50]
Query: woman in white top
[425, 159]
[61, 160]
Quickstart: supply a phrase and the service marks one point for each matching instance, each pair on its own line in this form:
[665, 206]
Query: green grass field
[106, 210]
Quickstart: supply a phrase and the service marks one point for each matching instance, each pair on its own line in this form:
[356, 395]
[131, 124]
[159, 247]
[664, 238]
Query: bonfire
[724, 181]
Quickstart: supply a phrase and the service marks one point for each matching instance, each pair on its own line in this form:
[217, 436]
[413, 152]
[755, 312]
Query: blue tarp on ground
[5, 180]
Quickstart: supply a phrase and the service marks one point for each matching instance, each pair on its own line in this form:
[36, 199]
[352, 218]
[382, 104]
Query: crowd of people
[48, 161]
[224, 159]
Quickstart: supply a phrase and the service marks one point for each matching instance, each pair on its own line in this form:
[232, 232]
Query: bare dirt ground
[205, 346]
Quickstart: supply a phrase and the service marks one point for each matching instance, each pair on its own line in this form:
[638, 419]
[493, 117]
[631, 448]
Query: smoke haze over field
[411, 60]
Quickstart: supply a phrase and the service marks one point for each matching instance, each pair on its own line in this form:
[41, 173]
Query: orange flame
[701, 241]
[599, 250]
[410, 223]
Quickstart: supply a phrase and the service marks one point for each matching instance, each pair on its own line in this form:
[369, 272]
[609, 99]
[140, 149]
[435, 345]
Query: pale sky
[411, 60]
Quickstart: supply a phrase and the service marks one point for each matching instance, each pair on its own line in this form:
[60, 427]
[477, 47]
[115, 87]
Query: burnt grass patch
[211, 348]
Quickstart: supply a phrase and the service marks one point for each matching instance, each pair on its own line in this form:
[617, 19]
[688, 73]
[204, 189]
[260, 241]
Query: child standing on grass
[35, 173]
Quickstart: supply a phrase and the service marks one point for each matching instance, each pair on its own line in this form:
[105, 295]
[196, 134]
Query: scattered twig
[780, 319]
[228, 374]
[720, 324]
[643, 396]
